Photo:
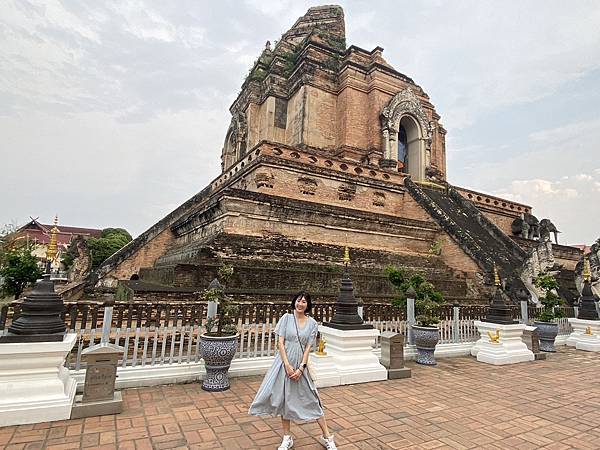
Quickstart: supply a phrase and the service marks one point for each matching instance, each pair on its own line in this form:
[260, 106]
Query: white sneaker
[287, 443]
[327, 442]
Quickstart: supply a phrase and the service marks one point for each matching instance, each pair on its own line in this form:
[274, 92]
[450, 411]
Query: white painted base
[34, 384]
[561, 339]
[350, 356]
[580, 339]
[191, 372]
[159, 374]
[324, 370]
[509, 349]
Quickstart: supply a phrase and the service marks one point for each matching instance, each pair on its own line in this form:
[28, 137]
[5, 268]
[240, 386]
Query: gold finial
[588, 331]
[52, 250]
[496, 276]
[587, 271]
[346, 255]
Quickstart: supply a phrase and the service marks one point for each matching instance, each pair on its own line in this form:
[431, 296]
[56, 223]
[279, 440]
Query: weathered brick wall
[455, 257]
[146, 256]
[354, 194]
[353, 119]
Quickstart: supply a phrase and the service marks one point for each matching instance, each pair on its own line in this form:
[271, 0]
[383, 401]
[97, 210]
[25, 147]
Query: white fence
[159, 346]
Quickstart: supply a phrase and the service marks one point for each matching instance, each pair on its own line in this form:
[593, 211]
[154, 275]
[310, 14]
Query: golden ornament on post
[321, 348]
[52, 250]
[587, 271]
[496, 276]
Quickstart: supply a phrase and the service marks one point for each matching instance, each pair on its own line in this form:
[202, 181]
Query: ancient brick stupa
[329, 145]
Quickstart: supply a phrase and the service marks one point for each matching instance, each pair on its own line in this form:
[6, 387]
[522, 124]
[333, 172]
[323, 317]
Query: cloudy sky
[114, 113]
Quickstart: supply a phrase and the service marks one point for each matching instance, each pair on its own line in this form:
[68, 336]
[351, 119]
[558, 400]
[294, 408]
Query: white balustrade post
[576, 311]
[410, 319]
[524, 312]
[455, 323]
[106, 324]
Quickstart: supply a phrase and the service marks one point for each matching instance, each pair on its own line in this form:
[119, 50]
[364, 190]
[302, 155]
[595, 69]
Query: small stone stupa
[586, 326]
[349, 358]
[37, 344]
[499, 311]
[346, 315]
[501, 338]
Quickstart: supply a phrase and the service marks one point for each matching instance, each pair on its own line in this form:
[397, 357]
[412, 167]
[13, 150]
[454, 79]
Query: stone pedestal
[34, 384]
[532, 341]
[508, 348]
[349, 356]
[324, 370]
[99, 397]
[585, 335]
[392, 355]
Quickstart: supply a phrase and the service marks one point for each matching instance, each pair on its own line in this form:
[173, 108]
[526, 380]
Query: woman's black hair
[306, 296]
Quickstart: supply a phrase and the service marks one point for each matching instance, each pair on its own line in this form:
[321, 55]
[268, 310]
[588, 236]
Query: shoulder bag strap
[298, 335]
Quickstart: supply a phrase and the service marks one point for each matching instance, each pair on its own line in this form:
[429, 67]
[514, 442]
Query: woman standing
[287, 389]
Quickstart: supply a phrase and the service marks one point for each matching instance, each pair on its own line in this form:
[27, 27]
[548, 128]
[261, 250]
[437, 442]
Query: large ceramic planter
[426, 339]
[217, 353]
[547, 332]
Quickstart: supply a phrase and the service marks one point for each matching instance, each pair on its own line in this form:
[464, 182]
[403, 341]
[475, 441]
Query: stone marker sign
[99, 396]
[392, 355]
[100, 376]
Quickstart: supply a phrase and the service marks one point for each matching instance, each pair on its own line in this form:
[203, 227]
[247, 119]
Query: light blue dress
[278, 395]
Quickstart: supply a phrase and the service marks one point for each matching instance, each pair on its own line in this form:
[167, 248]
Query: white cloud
[529, 190]
[139, 91]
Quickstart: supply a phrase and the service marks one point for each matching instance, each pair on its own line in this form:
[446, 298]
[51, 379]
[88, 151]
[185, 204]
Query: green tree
[550, 301]
[19, 268]
[111, 241]
[427, 297]
[224, 321]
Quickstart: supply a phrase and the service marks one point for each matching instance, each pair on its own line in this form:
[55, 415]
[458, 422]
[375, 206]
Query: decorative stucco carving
[379, 199]
[307, 185]
[264, 179]
[347, 191]
[405, 102]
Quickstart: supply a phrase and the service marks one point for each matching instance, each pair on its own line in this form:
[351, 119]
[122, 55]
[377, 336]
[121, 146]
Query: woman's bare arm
[286, 363]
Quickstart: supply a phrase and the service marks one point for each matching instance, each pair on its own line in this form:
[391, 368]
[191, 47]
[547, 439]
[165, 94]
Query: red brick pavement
[459, 404]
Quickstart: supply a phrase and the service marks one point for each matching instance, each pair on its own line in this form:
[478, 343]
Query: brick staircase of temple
[474, 233]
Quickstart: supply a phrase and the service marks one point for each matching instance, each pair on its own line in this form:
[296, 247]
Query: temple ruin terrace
[330, 146]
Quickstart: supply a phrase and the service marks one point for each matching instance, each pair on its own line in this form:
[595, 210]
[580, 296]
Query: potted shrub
[545, 321]
[427, 302]
[219, 343]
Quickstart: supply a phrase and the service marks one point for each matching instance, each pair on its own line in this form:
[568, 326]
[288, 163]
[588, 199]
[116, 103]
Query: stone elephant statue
[547, 227]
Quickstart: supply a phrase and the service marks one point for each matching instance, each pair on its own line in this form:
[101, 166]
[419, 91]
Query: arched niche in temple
[235, 141]
[406, 134]
[410, 145]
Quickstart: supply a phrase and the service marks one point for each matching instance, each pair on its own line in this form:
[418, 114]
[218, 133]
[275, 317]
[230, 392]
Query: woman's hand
[289, 370]
[296, 375]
